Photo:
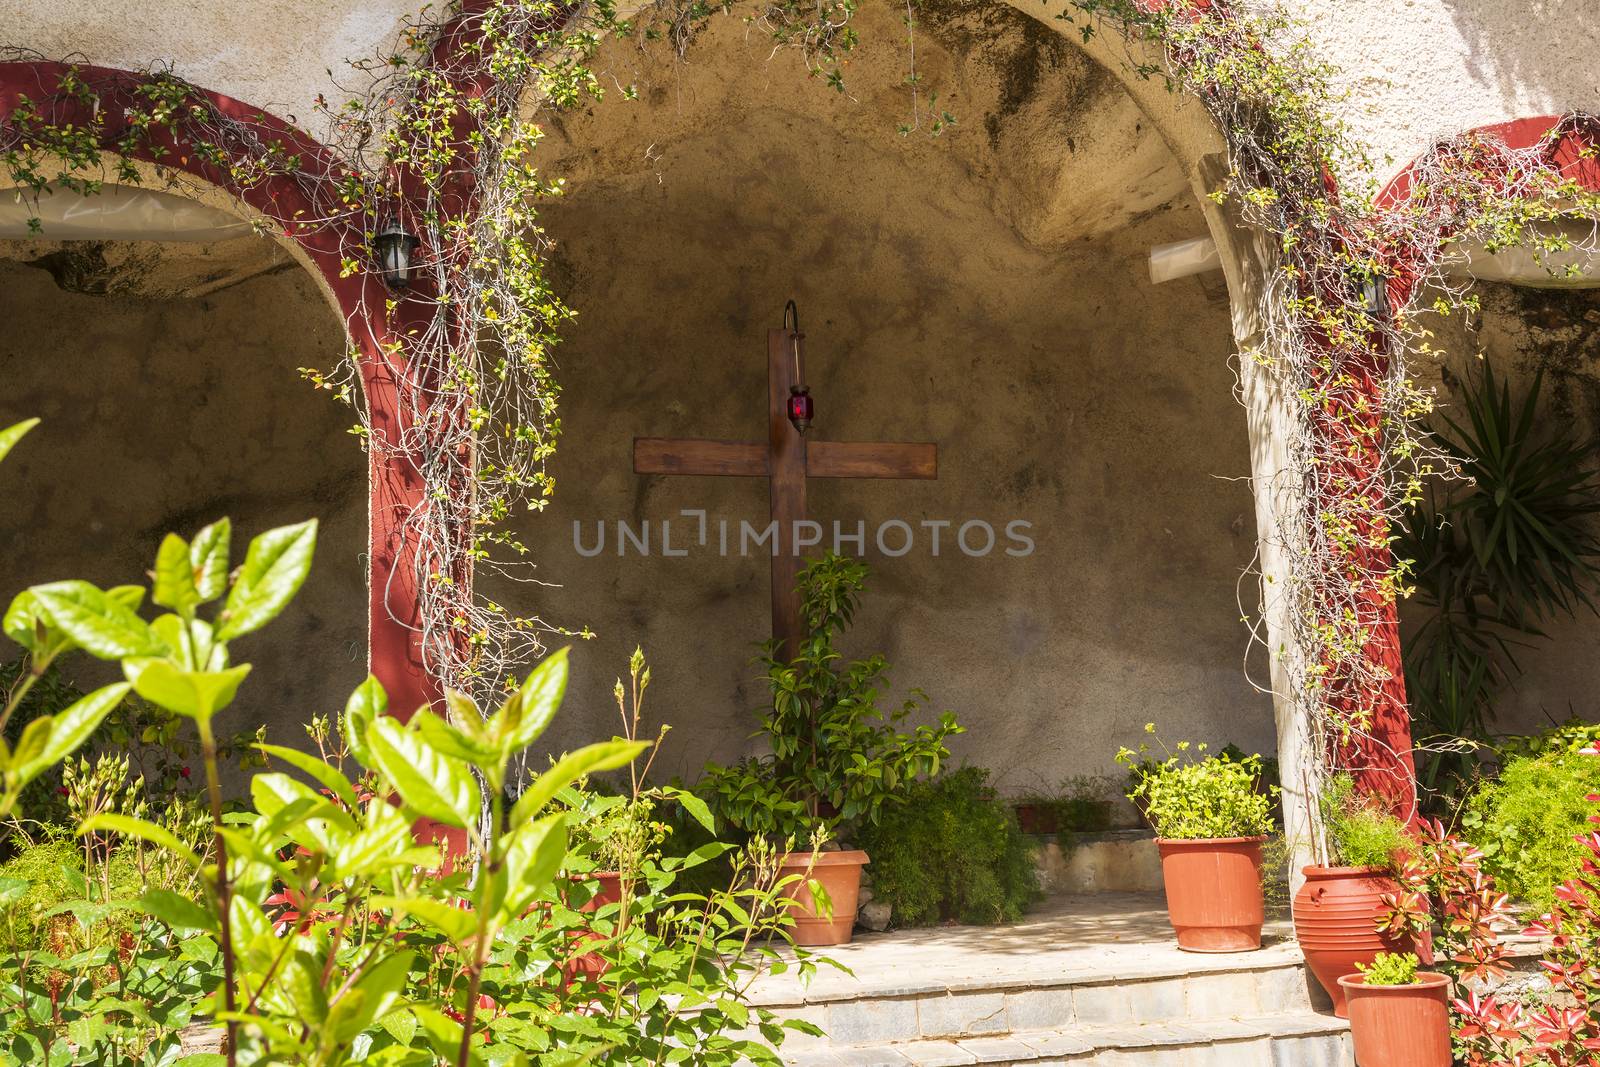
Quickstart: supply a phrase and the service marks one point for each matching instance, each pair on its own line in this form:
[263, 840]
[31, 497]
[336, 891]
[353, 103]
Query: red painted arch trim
[1516, 134]
[394, 485]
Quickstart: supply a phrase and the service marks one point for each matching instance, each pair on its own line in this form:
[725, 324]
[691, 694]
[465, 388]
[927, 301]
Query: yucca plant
[1495, 557]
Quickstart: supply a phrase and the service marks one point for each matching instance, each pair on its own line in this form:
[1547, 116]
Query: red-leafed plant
[1445, 886]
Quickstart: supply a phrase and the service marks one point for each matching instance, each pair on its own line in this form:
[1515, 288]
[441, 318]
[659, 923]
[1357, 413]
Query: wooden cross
[786, 460]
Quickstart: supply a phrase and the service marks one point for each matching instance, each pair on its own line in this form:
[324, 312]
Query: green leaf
[533, 854]
[194, 694]
[378, 994]
[591, 759]
[203, 1059]
[325, 773]
[523, 717]
[68, 730]
[128, 826]
[23, 622]
[100, 624]
[450, 740]
[14, 433]
[176, 911]
[697, 809]
[367, 703]
[275, 566]
[431, 783]
[457, 924]
[174, 585]
[208, 560]
[12, 890]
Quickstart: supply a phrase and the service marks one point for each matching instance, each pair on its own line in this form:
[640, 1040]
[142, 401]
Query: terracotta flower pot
[590, 965]
[1336, 921]
[610, 891]
[1214, 892]
[1036, 819]
[840, 875]
[1400, 1025]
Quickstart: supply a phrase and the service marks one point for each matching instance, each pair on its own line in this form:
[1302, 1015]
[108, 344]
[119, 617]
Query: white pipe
[1182, 258]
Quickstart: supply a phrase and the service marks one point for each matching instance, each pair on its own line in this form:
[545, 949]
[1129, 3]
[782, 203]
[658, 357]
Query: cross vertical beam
[787, 484]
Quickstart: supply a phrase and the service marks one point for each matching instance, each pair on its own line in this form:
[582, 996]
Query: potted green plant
[1399, 1014]
[1338, 907]
[836, 755]
[1077, 805]
[1210, 822]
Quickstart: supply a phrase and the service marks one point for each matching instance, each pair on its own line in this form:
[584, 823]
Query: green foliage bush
[839, 758]
[1360, 832]
[1527, 823]
[1391, 968]
[952, 851]
[1199, 798]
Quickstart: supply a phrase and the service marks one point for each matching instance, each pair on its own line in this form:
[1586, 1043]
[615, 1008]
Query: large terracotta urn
[1336, 916]
[1400, 1025]
[840, 876]
[1214, 892]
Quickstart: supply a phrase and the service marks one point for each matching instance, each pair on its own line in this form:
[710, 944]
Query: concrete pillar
[1271, 419]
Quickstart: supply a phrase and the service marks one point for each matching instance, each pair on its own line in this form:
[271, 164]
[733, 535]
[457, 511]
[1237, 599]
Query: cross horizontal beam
[824, 459]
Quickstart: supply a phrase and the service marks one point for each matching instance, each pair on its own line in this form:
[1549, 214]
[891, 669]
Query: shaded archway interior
[986, 290]
[166, 378]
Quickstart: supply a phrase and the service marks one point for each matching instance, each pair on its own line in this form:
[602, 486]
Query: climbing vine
[1346, 303]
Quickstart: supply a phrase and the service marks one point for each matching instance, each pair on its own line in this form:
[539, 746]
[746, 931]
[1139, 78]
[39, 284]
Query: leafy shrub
[1496, 555]
[52, 872]
[952, 851]
[1391, 968]
[837, 758]
[1196, 799]
[1574, 735]
[317, 927]
[1527, 823]
[1361, 833]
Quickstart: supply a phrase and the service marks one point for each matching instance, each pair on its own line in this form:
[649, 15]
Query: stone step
[1130, 990]
[1279, 1039]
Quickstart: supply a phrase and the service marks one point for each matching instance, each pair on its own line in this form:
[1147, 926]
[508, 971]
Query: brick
[962, 1015]
[1157, 1002]
[997, 1049]
[1283, 989]
[1039, 1009]
[1226, 995]
[936, 1054]
[1325, 1051]
[1048, 1044]
[864, 1022]
[1101, 1005]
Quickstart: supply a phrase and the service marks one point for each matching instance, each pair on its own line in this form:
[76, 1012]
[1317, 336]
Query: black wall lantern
[393, 247]
[1374, 297]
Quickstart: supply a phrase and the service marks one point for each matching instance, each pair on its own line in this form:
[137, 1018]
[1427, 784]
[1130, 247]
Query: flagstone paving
[1087, 980]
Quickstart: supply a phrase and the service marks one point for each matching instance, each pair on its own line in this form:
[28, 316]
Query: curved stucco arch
[281, 203]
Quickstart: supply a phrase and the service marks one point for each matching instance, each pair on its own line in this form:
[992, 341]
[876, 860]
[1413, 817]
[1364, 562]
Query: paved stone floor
[1124, 934]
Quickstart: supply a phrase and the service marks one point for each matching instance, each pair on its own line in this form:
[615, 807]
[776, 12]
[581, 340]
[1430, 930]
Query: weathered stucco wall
[164, 414]
[1416, 71]
[274, 54]
[947, 296]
